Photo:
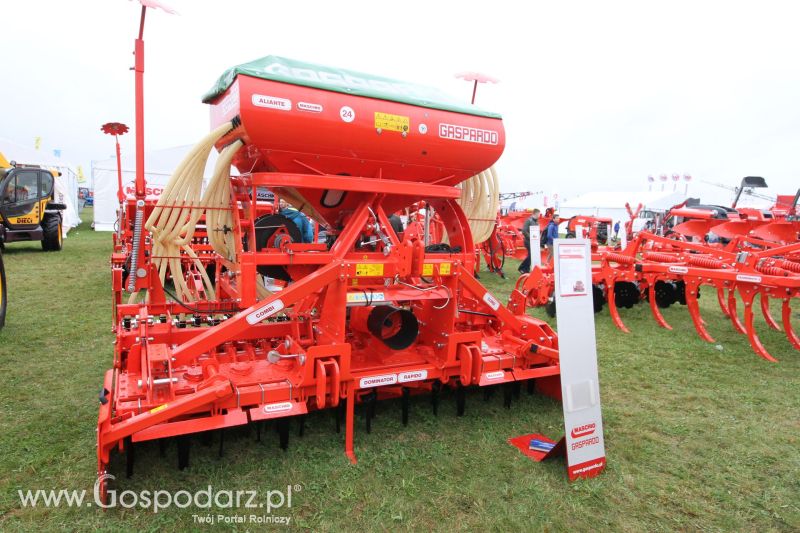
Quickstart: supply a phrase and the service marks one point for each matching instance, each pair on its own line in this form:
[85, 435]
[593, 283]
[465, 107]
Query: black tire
[269, 227]
[598, 298]
[51, 228]
[550, 307]
[3, 293]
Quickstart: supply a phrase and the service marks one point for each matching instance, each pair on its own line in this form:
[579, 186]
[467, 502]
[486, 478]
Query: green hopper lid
[343, 81]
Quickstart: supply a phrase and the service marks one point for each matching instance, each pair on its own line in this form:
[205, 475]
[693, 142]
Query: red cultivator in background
[743, 255]
[365, 316]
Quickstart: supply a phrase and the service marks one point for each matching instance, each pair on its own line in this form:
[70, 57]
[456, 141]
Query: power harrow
[204, 343]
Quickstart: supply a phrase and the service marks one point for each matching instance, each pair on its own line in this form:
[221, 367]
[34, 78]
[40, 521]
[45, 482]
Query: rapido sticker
[347, 114]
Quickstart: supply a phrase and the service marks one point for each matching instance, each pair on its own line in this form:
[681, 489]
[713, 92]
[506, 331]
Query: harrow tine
[283, 433]
[765, 311]
[721, 300]
[461, 399]
[734, 315]
[651, 296]
[748, 295]
[128, 457]
[435, 388]
[302, 429]
[405, 403]
[488, 392]
[184, 444]
[694, 312]
[786, 312]
[507, 395]
[370, 400]
[221, 442]
[258, 431]
[613, 311]
[162, 447]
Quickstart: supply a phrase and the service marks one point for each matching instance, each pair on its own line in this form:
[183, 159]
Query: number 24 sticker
[347, 114]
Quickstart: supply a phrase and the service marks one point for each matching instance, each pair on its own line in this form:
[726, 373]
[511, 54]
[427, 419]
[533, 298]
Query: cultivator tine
[184, 443]
[405, 404]
[221, 442]
[302, 429]
[283, 433]
[747, 297]
[651, 296]
[722, 304]
[734, 314]
[128, 457]
[258, 431]
[612, 309]
[531, 387]
[694, 312]
[162, 447]
[786, 312]
[461, 400]
[765, 311]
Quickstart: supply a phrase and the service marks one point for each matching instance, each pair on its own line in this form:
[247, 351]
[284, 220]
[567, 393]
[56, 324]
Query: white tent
[66, 185]
[159, 165]
[611, 204]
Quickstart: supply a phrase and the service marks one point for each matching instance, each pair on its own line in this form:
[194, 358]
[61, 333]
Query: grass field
[698, 437]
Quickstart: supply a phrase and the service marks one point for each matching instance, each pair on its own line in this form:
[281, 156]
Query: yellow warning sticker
[427, 269]
[444, 269]
[388, 122]
[366, 270]
[154, 410]
[365, 297]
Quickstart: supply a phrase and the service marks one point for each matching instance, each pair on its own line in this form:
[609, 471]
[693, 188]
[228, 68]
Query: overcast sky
[595, 95]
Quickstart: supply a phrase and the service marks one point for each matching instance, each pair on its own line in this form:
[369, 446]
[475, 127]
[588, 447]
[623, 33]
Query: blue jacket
[302, 223]
[551, 233]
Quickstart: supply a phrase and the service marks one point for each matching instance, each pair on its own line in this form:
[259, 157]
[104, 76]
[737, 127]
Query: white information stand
[580, 387]
[536, 246]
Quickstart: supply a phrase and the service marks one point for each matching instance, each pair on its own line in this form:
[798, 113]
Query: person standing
[551, 234]
[299, 219]
[525, 266]
[616, 230]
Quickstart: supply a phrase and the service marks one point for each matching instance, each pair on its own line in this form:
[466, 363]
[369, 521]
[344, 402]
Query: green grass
[696, 437]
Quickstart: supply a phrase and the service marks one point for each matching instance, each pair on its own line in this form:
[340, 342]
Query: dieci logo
[272, 102]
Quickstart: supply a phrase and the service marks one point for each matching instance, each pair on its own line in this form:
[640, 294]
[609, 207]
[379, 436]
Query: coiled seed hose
[480, 198]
